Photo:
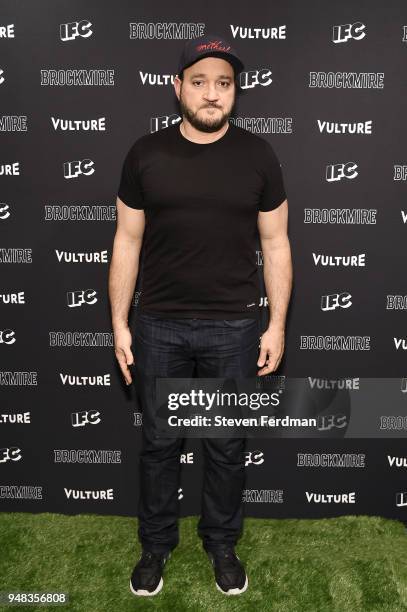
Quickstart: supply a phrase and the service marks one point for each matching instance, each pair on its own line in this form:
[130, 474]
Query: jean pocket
[146, 317]
[239, 323]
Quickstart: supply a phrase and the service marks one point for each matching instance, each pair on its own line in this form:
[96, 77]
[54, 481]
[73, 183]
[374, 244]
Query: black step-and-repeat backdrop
[326, 86]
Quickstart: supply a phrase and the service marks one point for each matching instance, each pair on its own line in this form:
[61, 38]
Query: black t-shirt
[201, 204]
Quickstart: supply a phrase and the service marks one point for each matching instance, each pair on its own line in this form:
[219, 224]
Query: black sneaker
[230, 575]
[147, 576]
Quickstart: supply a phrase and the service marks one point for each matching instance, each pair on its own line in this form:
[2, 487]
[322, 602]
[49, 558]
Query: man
[195, 194]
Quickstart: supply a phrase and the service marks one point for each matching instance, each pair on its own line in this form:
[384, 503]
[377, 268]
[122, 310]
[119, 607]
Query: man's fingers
[122, 359]
[129, 357]
[270, 366]
[262, 358]
[265, 370]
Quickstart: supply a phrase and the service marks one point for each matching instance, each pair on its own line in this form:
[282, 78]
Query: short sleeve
[273, 193]
[130, 191]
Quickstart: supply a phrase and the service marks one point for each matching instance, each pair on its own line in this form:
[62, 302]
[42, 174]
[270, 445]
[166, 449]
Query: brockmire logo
[217, 44]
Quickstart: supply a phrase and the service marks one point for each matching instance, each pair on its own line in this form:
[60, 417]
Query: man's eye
[223, 83]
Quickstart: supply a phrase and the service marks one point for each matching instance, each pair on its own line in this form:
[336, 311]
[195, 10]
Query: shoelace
[150, 558]
[226, 555]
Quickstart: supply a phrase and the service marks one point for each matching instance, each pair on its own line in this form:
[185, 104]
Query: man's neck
[190, 133]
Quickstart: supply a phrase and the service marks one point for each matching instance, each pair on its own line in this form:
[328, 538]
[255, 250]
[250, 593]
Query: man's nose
[211, 93]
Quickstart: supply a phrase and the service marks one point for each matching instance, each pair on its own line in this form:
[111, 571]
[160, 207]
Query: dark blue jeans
[188, 348]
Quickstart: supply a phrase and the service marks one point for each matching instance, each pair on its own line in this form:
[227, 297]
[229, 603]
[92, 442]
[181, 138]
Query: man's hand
[271, 350]
[122, 344]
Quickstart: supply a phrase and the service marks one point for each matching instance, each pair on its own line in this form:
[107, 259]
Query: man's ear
[176, 80]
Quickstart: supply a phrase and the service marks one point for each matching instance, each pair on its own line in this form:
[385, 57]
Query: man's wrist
[276, 325]
[120, 324]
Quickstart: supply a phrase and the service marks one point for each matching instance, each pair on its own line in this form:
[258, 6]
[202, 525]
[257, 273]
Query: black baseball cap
[210, 45]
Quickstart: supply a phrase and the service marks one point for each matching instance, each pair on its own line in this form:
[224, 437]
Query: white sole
[235, 591]
[144, 593]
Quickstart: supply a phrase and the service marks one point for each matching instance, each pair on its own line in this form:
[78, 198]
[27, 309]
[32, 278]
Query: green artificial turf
[350, 563]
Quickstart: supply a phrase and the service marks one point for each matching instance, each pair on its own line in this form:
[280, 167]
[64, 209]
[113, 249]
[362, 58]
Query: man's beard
[205, 122]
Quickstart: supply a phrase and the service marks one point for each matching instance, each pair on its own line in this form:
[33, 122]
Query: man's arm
[277, 270]
[123, 273]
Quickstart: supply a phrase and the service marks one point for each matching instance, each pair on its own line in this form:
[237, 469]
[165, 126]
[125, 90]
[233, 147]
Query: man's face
[207, 93]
